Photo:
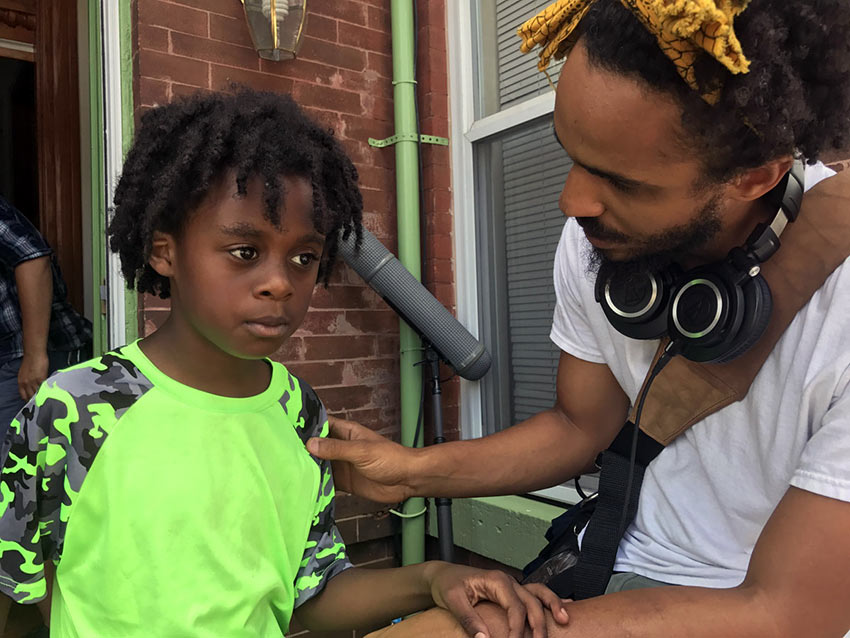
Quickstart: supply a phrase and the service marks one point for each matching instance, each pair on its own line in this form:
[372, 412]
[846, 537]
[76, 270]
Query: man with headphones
[688, 241]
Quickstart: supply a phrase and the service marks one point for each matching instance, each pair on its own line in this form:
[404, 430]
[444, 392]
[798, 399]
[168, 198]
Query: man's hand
[366, 463]
[458, 589]
[32, 373]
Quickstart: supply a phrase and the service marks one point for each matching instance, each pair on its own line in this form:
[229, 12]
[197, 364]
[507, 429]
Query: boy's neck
[202, 365]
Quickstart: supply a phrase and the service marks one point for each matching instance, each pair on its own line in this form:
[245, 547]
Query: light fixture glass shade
[276, 26]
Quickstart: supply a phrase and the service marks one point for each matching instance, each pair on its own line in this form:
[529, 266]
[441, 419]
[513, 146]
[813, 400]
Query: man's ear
[756, 182]
[162, 253]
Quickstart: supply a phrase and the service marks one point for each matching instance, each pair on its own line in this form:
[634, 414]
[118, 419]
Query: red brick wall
[347, 347]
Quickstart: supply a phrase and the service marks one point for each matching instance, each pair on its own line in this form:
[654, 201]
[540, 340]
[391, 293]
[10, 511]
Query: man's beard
[660, 250]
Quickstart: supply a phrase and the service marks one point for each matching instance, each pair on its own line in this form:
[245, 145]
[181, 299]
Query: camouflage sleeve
[24, 455]
[324, 555]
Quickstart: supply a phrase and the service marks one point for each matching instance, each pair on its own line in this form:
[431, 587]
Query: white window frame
[465, 131]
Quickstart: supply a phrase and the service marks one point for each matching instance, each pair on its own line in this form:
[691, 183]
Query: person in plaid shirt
[39, 330]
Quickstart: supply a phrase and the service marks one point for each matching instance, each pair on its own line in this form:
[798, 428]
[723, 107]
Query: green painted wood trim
[131, 298]
[98, 196]
[508, 529]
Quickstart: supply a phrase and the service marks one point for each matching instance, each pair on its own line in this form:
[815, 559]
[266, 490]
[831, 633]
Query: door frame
[111, 125]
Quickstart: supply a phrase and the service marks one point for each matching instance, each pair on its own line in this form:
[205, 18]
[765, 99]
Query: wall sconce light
[276, 26]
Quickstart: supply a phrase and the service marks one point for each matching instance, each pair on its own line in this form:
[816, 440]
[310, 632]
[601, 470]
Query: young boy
[167, 483]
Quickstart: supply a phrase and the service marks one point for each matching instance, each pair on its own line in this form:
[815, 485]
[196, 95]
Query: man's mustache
[594, 228]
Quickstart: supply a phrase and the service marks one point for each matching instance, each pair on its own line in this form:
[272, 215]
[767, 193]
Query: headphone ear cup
[758, 306]
[636, 303]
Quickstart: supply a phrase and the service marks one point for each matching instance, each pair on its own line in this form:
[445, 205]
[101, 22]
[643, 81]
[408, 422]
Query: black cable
[669, 352]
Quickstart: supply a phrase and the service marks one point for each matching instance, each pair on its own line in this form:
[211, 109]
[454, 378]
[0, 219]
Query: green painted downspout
[407, 203]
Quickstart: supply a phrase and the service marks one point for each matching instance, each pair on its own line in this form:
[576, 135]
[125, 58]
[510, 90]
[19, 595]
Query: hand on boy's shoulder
[364, 462]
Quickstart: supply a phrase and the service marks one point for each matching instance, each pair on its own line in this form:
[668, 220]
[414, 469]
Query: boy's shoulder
[302, 405]
[111, 378]
[86, 395]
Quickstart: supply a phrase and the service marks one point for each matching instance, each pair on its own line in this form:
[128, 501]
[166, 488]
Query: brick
[381, 63]
[327, 97]
[376, 177]
[153, 38]
[320, 27]
[370, 551]
[441, 247]
[364, 38]
[377, 201]
[345, 10]
[433, 13]
[180, 90]
[343, 297]
[337, 56]
[349, 505]
[319, 322]
[222, 77]
[318, 374]
[292, 350]
[214, 51]
[375, 526]
[300, 69]
[225, 7]
[173, 17]
[368, 80]
[335, 347]
[389, 344]
[372, 321]
[348, 530]
[370, 372]
[346, 397]
[163, 66]
[153, 92]
[228, 29]
[378, 18]
[362, 128]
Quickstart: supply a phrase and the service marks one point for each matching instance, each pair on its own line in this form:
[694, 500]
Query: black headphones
[712, 313]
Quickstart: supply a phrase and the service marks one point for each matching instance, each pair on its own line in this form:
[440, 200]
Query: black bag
[555, 565]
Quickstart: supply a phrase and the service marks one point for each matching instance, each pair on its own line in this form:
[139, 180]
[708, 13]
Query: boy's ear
[756, 182]
[162, 253]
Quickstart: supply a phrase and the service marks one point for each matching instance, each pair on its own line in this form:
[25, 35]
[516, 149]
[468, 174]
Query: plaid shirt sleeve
[19, 240]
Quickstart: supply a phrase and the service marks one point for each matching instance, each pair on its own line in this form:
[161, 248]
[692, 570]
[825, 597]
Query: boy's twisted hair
[795, 98]
[184, 148]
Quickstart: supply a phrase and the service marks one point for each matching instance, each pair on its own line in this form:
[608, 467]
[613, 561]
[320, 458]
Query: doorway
[40, 127]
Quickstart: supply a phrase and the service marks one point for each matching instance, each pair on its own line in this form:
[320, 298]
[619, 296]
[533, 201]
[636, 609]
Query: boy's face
[238, 282]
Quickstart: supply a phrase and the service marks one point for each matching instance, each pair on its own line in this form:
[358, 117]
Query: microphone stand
[444, 505]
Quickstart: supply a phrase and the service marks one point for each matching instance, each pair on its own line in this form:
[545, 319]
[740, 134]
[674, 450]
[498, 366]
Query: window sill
[507, 529]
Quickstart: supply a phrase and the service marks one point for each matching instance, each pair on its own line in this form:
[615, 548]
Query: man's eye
[245, 253]
[304, 259]
[621, 186]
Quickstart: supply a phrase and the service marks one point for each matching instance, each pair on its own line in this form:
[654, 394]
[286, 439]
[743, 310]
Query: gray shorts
[626, 581]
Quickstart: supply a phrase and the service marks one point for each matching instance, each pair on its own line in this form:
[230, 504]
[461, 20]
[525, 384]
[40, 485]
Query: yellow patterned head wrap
[683, 29]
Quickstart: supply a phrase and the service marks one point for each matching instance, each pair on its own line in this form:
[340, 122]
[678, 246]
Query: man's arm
[369, 598]
[797, 584]
[34, 280]
[544, 450]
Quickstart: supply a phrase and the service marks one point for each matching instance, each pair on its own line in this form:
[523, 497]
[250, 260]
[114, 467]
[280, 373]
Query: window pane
[507, 76]
[520, 176]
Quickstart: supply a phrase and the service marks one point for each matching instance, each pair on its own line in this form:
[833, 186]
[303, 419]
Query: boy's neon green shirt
[167, 511]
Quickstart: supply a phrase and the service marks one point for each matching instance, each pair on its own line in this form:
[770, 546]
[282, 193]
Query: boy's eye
[304, 259]
[245, 253]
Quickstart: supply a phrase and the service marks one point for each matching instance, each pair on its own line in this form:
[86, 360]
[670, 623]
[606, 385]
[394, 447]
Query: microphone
[413, 303]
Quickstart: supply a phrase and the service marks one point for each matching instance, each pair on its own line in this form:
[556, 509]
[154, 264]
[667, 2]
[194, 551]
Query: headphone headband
[786, 197]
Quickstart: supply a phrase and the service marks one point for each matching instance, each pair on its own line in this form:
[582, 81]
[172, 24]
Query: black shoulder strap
[602, 534]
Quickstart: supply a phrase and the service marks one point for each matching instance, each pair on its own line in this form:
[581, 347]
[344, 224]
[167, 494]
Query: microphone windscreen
[418, 307]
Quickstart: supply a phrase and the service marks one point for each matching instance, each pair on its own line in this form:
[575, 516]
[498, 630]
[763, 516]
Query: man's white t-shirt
[707, 496]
